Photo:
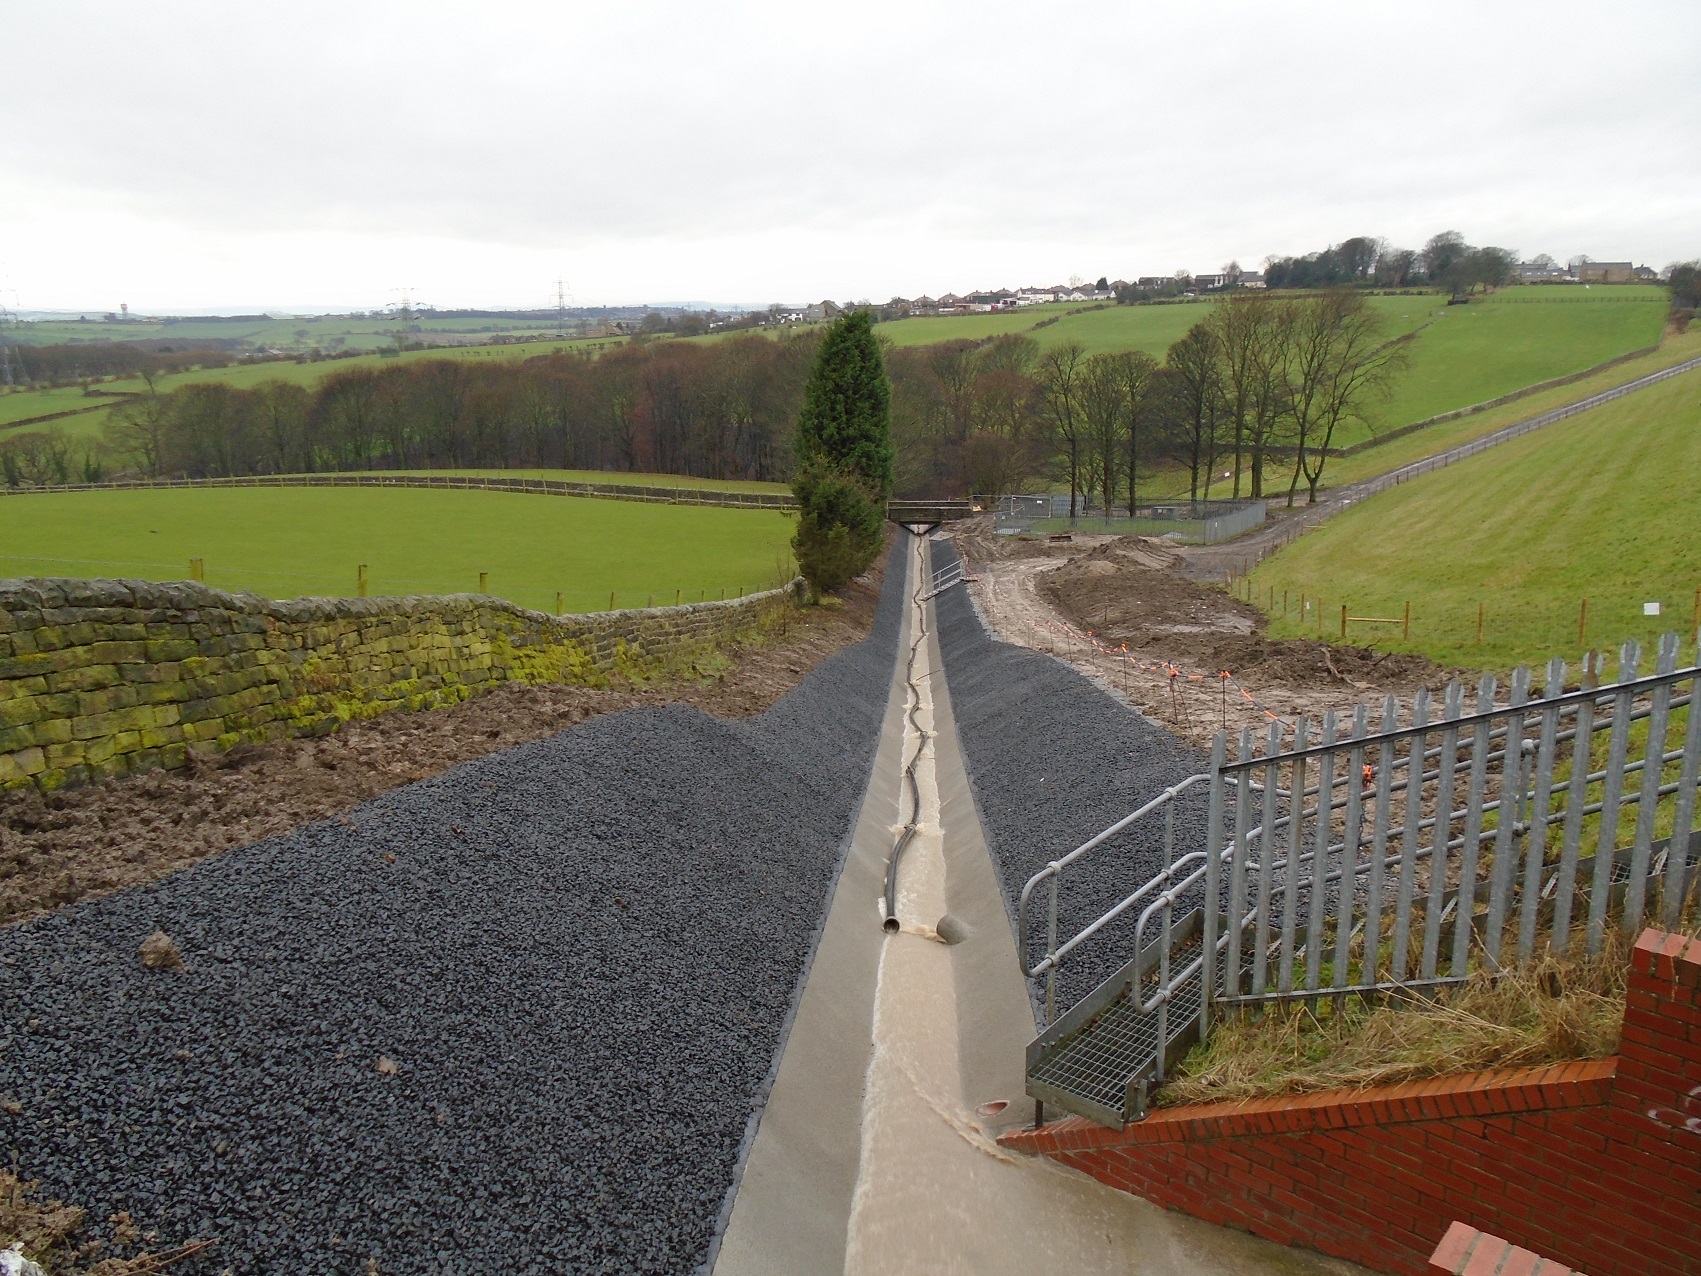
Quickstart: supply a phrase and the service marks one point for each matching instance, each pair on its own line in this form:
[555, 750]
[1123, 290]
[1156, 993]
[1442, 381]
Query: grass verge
[1557, 1009]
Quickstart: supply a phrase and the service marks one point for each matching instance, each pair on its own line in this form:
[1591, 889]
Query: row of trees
[722, 410]
[1445, 261]
[1262, 382]
[1261, 386]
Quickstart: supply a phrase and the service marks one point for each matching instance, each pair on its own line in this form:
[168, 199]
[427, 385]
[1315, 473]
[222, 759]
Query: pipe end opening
[890, 926]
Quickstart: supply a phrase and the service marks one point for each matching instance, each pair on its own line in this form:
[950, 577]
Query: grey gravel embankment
[1054, 759]
[578, 955]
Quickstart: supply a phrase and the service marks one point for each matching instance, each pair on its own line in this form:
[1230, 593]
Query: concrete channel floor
[876, 1152]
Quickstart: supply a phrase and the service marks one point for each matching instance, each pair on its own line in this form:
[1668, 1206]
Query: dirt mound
[1129, 592]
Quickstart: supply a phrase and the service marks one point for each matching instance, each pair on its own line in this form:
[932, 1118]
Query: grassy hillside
[1497, 344]
[300, 541]
[1601, 506]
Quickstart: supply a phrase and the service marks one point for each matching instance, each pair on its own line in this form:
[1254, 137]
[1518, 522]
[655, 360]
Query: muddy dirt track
[1124, 611]
[69, 845]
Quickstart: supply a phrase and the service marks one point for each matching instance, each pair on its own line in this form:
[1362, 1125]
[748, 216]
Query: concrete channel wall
[103, 678]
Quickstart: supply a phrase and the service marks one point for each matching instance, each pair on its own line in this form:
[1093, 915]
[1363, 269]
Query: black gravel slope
[1053, 760]
[578, 954]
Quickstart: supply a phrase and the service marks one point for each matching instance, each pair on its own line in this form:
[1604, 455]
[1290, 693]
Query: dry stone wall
[101, 678]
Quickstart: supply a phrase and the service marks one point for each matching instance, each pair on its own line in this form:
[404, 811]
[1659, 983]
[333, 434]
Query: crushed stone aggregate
[1053, 760]
[577, 954]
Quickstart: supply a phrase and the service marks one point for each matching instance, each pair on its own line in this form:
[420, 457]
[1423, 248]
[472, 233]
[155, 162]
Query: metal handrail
[1053, 872]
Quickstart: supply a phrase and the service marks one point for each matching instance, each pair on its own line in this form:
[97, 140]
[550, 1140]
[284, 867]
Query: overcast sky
[325, 156]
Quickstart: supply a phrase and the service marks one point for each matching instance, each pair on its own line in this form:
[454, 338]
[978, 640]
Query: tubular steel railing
[1407, 857]
[1052, 874]
[954, 572]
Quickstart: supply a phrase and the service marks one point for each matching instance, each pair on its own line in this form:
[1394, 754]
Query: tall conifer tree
[844, 456]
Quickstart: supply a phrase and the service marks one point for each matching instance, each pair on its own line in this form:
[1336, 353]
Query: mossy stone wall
[103, 678]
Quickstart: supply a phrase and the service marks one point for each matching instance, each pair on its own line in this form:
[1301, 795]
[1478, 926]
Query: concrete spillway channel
[876, 1151]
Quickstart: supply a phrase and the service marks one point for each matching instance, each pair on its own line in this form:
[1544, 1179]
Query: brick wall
[1596, 1165]
[104, 677]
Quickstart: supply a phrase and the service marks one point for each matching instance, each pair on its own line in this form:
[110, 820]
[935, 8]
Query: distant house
[924, 305]
[1206, 282]
[1645, 275]
[1605, 272]
[1252, 279]
[1150, 283]
[1034, 296]
[1530, 273]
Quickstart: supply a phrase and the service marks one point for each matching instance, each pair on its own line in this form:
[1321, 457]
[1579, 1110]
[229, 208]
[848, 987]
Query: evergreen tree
[846, 421]
[844, 456]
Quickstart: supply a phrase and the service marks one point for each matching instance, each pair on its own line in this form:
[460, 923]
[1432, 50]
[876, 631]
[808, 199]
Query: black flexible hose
[891, 924]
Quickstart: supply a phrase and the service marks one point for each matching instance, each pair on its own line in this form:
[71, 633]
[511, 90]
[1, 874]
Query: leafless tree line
[1257, 390]
[1262, 385]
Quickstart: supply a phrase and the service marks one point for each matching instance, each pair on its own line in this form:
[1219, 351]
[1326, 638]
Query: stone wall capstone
[102, 678]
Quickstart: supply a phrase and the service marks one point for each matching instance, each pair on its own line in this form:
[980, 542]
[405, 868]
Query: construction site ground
[1131, 613]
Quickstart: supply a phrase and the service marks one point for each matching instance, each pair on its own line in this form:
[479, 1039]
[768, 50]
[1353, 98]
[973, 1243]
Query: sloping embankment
[510, 1018]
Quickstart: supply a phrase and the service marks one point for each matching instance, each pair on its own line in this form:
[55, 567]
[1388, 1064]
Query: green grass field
[286, 333]
[1601, 506]
[31, 403]
[1517, 337]
[290, 542]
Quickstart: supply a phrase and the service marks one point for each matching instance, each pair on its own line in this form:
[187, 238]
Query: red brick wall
[1596, 1165]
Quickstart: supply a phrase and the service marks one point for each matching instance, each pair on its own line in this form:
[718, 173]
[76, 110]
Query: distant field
[286, 333]
[29, 403]
[1600, 506]
[308, 541]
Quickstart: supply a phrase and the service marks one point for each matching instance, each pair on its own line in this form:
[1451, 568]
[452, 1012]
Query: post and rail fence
[1398, 857]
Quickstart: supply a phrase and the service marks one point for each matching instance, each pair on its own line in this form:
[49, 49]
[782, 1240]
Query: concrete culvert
[950, 930]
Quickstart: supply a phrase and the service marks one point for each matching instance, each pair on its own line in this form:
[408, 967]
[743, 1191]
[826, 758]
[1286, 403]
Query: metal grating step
[1095, 1072]
[1096, 1060]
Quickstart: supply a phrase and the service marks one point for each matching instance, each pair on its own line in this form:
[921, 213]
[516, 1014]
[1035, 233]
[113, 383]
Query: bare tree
[1197, 364]
[1338, 365]
[1060, 374]
[1136, 370]
[1104, 400]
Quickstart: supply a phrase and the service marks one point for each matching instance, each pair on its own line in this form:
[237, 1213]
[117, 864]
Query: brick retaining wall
[1595, 1164]
[101, 678]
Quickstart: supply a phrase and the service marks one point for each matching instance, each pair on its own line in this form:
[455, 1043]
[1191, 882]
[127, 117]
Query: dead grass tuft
[1557, 1009]
[47, 1233]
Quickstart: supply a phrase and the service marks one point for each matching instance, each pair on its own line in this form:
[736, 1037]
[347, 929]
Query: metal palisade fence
[1363, 858]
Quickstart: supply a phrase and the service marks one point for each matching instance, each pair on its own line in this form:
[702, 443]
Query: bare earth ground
[1129, 592]
[80, 842]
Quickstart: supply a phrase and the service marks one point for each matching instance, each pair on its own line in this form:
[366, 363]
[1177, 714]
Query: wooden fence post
[558, 601]
[1343, 620]
[197, 570]
[484, 582]
[1583, 623]
[1479, 624]
[1406, 626]
[360, 581]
